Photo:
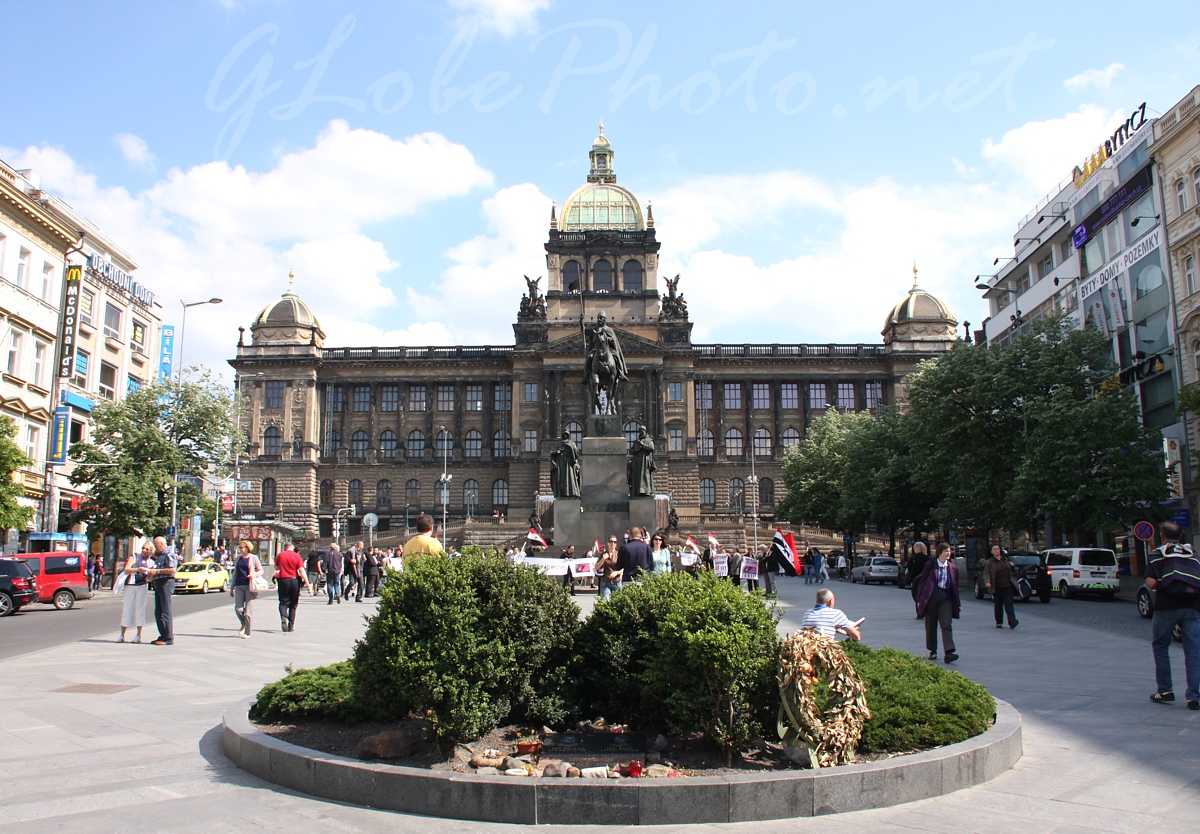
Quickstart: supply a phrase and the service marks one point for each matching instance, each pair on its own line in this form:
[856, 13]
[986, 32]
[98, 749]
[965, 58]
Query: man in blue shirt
[634, 557]
[162, 575]
[828, 620]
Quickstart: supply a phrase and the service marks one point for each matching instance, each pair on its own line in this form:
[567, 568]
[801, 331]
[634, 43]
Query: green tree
[13, 516]
[816, 469]
[139, 444]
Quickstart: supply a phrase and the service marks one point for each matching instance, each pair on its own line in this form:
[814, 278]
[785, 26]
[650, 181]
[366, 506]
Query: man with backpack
[1173, 573]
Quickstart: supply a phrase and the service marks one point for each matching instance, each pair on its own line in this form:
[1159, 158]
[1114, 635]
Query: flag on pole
[713, 543]
[785, 548]
[692, 544]
[535, 538]
[596, 549]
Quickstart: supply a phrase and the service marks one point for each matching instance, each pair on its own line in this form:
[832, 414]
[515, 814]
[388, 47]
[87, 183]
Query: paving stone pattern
[1097, 755]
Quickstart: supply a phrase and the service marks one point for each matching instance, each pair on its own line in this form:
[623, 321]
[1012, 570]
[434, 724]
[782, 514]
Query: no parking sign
[1144, 530]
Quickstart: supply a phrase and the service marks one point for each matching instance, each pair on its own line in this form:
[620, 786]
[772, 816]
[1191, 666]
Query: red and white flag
[691, 543]
[786, 545]
[535, 538]
[713, 543]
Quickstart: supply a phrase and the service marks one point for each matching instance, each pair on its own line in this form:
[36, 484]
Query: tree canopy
[139, 445]
[13, 516]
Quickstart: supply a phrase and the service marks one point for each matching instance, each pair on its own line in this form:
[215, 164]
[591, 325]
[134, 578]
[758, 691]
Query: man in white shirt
[828, 620]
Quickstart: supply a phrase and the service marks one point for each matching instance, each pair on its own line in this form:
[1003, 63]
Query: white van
[1089, 570]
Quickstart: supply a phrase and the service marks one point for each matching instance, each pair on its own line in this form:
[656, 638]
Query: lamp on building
[1142, 217]
[1016, 319]
[1002, 259]
[1017, 240]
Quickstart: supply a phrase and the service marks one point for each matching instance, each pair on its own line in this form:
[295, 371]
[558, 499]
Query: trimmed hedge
[914, 704]
[468, 643]
[324, 692]
[682, 654]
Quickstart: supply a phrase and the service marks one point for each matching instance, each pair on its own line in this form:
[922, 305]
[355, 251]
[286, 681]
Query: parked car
[1087, 570]
[202, 577]
[878, 569]
[18, 586]
[1029, 566]
[1145, 603]
[61, 577]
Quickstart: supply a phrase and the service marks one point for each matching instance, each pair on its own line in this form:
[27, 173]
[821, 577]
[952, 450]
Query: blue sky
[403, 155]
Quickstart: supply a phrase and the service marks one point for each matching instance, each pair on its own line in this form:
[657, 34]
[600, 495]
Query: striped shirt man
[828, 620]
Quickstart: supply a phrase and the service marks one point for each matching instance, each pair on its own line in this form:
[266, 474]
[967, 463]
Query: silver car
[877, 569]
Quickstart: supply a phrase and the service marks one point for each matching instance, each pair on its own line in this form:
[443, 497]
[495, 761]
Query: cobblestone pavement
[136, 747]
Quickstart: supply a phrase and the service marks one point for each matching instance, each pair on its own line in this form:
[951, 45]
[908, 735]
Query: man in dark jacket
[1173, 573]
[333, 565]
[634, 557]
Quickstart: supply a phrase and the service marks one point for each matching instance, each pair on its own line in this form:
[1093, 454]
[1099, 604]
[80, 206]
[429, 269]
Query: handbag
[258, 583]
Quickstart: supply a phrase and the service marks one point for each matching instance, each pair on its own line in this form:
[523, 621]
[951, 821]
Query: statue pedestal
[604, 425]
[603, 506]
[642, 513]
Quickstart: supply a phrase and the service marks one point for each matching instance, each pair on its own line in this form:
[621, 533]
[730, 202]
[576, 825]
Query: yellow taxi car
[202, 577]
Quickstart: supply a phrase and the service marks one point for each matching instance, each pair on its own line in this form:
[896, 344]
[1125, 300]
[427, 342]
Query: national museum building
[376, 427]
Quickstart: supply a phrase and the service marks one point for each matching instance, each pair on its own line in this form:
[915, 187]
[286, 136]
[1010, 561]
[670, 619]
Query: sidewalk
[1098, 755]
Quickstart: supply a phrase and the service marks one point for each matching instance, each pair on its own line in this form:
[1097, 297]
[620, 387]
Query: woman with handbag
[135, 590]
[248, 581]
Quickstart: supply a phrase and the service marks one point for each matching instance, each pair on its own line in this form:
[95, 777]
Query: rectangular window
[445, 398]
[47, 282]
[16, 341]
[733, 395]
[502, 397]
[108, 381]
[78, 431]
[531, 440]
[273, 394]
[33, 436]
[531, 392]
[81, 376]
[674, 440]
[789, 395]
[389, 397]
[762, 395]
[474, 398]
[87, 302]
[337, 398]
[1046, 266]
[704, 395]
[137, 336]
[1065, 250]
[23, 256]
[846, 398]
[112, 322]
[675, 392]
[816, 395]
[362, 397]
[874, 393]
[416, 398]
[40, 351]
[133, 384]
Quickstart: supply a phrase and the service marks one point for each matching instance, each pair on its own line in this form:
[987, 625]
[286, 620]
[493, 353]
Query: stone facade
[331, 427]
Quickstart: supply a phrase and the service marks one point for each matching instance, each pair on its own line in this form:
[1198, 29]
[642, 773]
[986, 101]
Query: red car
[61, 577]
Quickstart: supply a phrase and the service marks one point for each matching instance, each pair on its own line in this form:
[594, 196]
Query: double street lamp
[178, 393]
[444, 482]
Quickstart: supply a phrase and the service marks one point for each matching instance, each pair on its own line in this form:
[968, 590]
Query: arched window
[412, 494]
[416, 444]
[575, 428]
[333, 442]
[500, 493]
[354, 494]
[766, 492]
[631, 432]
[1181, 196]
[272, 442]
[501, 446]
[388, 445]
[733, 443]
[704, 443]
[762, 443]
[708, 492]
[631, 277]
[790, 438]
[327, 493]
[602, 276]
[571, 276]
[445, 442]
[383, 495]
[471, 497]
[737, 495]
[473, 444]
[358, 445]
[268, 492]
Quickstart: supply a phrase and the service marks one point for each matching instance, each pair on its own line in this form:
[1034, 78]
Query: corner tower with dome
[374, 427]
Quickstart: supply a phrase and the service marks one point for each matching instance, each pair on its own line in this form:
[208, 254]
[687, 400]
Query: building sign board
[1121, 263]
[112, 274]
[1135, 122]
[1134, 187]
[68, 324]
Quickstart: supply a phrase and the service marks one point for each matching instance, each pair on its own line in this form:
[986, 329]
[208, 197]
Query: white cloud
[507, 17]
[213, 230]
[135, 150]
[1101, 78]
[1043, 153]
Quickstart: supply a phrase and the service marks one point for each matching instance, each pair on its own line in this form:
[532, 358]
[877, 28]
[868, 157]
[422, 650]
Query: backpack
[1178, 570]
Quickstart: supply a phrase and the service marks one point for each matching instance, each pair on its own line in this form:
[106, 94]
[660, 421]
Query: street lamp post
[753, 482]
[183, 328]
[178, 392]
[444, 439]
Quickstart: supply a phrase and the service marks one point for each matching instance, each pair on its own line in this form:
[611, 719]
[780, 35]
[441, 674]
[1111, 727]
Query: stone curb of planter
[559, 801]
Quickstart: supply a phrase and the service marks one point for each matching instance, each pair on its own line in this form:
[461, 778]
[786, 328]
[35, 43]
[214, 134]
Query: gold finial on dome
[602, 128]
[914, 286]
[291, 279]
